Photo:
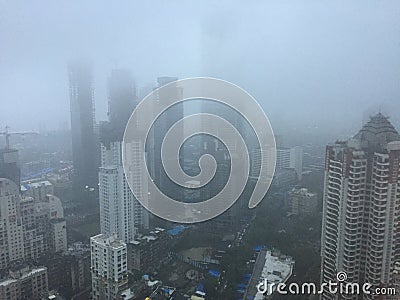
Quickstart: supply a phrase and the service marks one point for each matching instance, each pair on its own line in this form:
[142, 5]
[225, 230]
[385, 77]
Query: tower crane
[8, 134]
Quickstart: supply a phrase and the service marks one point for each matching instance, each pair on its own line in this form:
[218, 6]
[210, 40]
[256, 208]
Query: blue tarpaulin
[176, 230]
[259, 248]
[38, 174]
[246, 278]
[200, 287]
[214, 273]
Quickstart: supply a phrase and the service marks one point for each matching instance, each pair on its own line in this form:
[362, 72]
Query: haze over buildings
[71, 74]
[84, 141]
[294, 57]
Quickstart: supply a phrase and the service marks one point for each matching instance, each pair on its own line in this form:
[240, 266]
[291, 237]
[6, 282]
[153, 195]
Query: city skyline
[265, 59]
[200, 150]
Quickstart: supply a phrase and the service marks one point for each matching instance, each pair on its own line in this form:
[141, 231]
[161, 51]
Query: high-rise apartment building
[138, 177]
[38, 190]
[120, 212]
[11, 229]
[28, 228]
[361, 212]
[109, 267]
[84, 147]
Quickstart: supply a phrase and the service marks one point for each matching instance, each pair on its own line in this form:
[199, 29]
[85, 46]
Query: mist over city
[299, 59]
[116, 181]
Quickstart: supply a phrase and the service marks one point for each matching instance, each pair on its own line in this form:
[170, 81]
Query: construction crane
[8, 134]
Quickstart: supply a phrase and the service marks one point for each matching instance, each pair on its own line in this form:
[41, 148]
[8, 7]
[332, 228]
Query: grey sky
[304, 60]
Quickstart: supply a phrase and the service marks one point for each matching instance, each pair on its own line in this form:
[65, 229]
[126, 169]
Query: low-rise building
[284, 178]
[301, 202]
[272, 269]
[149, 251]
[26, 283]
[69, 271]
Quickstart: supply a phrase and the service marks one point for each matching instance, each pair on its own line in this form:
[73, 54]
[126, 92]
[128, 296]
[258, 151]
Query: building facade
[301, 202]
[37, 190]
[9, 165]
[84, 148]
[108, 267]
[290, 158]
[28, 229]
[148, 252]
[361, 205]
[25, 284]
[11, 228]
[120, 213]
[116, 199]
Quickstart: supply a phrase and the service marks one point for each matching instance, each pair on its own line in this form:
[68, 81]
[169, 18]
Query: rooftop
[21, 274]
[272, 268]
[176, 230]
[302, 192]
[107, 240]
[35, 185]
[377, 131]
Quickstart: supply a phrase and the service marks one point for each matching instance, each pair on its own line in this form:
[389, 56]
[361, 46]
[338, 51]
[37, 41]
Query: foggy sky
[310, 63]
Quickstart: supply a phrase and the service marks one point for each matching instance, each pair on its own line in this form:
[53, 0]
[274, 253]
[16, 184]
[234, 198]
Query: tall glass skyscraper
[84, 145]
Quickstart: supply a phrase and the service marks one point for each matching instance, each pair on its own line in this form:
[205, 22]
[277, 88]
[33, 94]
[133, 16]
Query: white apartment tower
[361, 214]
[108, 267]
[120, 212]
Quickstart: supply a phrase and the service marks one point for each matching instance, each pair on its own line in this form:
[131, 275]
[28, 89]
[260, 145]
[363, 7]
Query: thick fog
[310, 63]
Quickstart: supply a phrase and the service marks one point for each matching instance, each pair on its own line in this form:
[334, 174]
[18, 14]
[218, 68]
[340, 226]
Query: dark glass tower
[122, 100]
[84, 142]
[157, 134]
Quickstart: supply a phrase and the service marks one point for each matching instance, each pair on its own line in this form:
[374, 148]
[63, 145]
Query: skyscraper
[360, 233]
[84, 148]
[120, 212]
[12, 235]
[157, 134]
[122, 100]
